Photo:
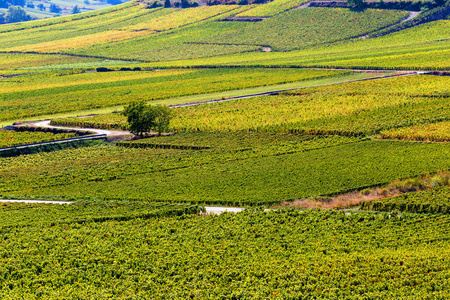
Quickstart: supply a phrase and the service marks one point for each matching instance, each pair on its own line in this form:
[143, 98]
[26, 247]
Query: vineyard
[245, 170]
[292, 30]
[56, 91]
[432, 201]
[255, 254]
[105, 121]
[13, 138]
[359, 108]
[424, 47]
[272, 8]
[362, 108]
[133, 32]
[438, 132]
[9, 61]
[273, 105]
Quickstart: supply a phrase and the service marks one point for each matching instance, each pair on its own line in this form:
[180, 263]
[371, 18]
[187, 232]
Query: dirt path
[109, 133]
[412, 15]
[218, 210]
[34, 201]
[209, 209]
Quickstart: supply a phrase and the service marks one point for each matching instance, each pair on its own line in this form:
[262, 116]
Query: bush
[103, 69]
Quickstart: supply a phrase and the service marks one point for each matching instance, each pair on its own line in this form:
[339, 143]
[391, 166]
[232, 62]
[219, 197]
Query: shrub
[103, 69]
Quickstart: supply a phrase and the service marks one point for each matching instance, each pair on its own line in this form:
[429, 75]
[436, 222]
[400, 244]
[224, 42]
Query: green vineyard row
[283, 254]
[13, 138]
[432, 201]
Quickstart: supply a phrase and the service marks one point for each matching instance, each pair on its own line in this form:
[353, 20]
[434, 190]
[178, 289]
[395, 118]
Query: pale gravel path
[34, 201]
[219, 210]
[209, 209]
[46, 124]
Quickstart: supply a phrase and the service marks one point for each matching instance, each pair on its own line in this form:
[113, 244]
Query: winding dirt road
[46, 124]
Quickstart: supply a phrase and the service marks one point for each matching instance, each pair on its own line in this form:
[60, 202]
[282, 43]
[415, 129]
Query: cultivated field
[305, 106]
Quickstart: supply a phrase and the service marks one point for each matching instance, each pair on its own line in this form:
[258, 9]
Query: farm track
[209, 209]
[109, 133]
[410, 73]
[412, 15]
[34, 201]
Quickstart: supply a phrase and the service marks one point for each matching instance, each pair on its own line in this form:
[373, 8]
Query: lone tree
[142, 117]
[76, 10]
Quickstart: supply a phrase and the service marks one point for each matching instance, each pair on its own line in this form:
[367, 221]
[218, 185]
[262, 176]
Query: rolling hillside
[278, 108]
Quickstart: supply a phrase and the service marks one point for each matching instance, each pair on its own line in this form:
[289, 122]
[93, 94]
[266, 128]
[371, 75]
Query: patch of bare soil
[352, 199]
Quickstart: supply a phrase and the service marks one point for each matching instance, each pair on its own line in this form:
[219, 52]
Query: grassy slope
[253, 175]
[275, 254]
[422, 47]
[131, 31]
[207, 97]
[289, 30]
[44, 90]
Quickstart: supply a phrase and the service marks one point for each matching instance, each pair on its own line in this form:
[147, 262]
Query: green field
[290, 30]
[387, 106]
[349, 109]
[136, 33]
[325, 37]
[329, 25]
[424, 47]
[13, 138]
[272, 8]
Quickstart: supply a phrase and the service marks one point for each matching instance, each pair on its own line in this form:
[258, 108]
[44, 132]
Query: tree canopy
[143, 118]
[16, 14]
